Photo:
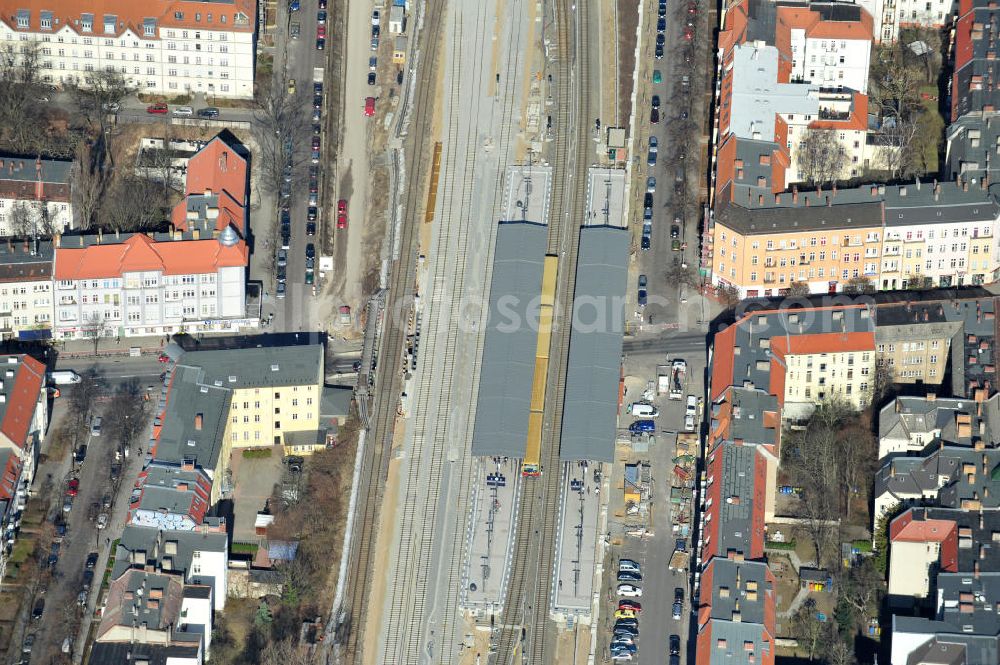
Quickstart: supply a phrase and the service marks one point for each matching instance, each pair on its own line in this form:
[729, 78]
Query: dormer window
[149, 27]
[109, 24]
[179, 16]
[23, 18]
[45, 20]
[87, 22]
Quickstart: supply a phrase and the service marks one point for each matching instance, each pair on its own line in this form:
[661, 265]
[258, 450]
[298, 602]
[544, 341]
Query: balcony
[830, 114]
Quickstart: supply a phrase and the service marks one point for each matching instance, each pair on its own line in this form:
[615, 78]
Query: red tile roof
[187, 14]
[804, 18]
[19, 409]
[10, 474]
[141, 253]
[823, 343]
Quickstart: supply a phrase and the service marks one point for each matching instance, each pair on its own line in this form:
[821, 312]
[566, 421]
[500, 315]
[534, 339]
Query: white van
[642, 410]
[183, 110]
[629, 567]
[95, 426]
[63, 376]
[692, 406]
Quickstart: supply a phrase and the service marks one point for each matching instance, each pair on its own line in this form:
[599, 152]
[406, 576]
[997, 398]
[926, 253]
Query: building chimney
[795, 196]
[975, 569]
[828, 203]
[57, 239]
[198, 419]
[874, 191]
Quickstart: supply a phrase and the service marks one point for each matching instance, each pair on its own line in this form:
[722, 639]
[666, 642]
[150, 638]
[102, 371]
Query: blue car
[293, 6]
[642, 426]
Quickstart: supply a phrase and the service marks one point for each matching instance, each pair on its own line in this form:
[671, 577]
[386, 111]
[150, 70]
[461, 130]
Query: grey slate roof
[971, 144]
[273, 366]
[724, 576]
[737, 635]
[180, 439]
[908, 416]
[134, 653]
[26, 261]
[939, 477]
[140, 546]
[508, 365]
[748, 406]
[979, 649]
[590, 409]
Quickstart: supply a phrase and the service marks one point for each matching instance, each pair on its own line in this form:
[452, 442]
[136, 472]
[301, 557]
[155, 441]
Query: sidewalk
[109, 346]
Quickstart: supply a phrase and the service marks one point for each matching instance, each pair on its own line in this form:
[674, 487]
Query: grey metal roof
[747, 415]
[972, 140]
[335, 401]
[757, 95]
[979, 649]
[134, 653]
[939, 477]
[180, 439]
[922, 203]
[508, 365]
[590, 410]
[736, 517]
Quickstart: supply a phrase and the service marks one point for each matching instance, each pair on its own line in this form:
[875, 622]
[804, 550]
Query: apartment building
[830, 43]
[26, 303]
[219, 401]
[908, 425]
[891, 237]
[190, 279]
[13, 499]
[35, 196]
[973, 87]
[735, 498]
[736, 620]
[175, 48]
[23, 409]
[889, 16]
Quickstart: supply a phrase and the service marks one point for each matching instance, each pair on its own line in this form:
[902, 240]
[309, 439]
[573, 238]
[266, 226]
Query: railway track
[524, 621]
[405, 640]
[350, 631]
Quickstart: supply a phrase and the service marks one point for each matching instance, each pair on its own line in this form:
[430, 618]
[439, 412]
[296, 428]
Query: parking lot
[646, 517]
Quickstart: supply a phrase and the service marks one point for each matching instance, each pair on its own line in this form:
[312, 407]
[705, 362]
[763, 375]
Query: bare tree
[807, 629]
[728, 294]
[281, 127]
[798, 289]
[20, 94]
[285, 652]
[100, 92]
[94, 326]
[862, 587]
[127, 414]
[840, 653]
[858, 285]
[119, 211]
[820, 156]
[89, 180]
[681, 274]
[31, 219]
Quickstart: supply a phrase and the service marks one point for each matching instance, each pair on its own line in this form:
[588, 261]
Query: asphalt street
[64, 616]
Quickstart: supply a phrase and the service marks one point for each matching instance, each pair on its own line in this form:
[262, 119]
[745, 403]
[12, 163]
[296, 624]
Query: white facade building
[139, 285]
[174, 48]
[41, 189]
[891, 15]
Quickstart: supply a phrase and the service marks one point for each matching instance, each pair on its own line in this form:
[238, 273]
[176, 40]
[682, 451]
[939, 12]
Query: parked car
[625, 576]
[81, 454]
[371, 78]
[658, 52]
[312, 212]
[675, 645]
[643, 297]
[321, 16]
[73, 487]
[29, 642]
[295, 31]
[651, 184]
[321, 31]
[342, 214]
[369, 106]
[159, 108]
[689, 423]
[629, 591]
[678, 608]
[625, 614]
[102, 520]
[68, 504]
[95, 426]
[208, 112]
[310, 228]
[280, 291]
[376, 18]
[654, 116]
[642, 426]
[629, 605]
[320, 44]
[310, 251]
[91, 560]
[183, 110]
[675, 231]
[644, 244]
[38, 609]
[282, 257]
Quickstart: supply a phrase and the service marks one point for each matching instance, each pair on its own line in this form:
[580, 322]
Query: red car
[160, 108]
[692, 8]
[630, 605]
[369, 106]
[689, 33]
[164, 358]
[342, 214]
[73, 487]
[320, 31]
